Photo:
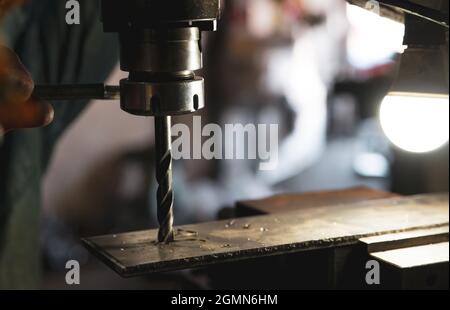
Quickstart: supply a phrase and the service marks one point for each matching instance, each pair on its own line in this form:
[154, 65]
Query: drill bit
[164, 178]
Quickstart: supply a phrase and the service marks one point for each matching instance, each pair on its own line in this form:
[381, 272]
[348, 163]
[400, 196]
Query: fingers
[18, 109]
[30, 114]
[16, 84]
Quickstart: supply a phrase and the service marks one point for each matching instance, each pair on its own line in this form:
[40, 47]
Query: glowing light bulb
[416, 123]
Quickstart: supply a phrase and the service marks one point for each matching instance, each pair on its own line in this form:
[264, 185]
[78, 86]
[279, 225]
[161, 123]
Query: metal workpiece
[162, 98]
[418, 237]
[416, 259]
[77, 92]
[324, 227]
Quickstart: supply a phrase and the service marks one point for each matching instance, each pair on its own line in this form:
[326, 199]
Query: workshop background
[320, 71]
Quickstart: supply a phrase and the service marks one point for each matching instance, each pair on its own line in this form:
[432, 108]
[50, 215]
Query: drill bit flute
[164, 178]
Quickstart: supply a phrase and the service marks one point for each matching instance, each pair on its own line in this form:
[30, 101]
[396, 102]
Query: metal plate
[294, 202]
[406, 239]
[136, 253]
[415, 256]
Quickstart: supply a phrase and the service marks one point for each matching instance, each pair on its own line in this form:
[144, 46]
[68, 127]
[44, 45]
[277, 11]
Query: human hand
[18, 108]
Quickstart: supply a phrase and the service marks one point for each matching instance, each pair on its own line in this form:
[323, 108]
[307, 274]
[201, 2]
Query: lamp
[415, 114]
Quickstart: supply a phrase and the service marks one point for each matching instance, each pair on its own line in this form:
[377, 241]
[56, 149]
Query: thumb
[32, 113]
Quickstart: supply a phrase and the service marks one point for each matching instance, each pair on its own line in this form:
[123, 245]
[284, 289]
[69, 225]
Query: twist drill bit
[164, 178]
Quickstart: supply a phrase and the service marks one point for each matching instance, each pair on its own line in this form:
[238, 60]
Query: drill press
[160, 47]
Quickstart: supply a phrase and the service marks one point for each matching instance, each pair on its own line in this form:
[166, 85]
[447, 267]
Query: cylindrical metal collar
[161, 50]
